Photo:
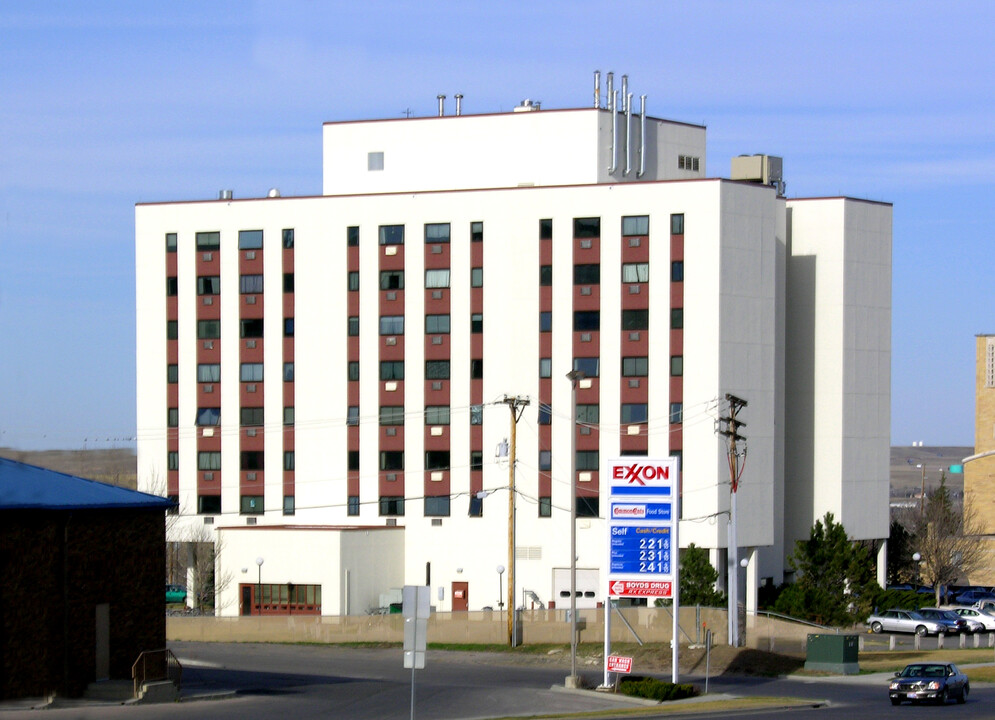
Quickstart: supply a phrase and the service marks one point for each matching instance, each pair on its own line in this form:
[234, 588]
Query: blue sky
[105, 104]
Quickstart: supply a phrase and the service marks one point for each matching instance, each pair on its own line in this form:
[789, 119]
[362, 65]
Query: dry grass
[115, 467]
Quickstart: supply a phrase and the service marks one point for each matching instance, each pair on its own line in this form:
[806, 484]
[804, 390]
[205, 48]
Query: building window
[288, 238]
[172, 330]
[288, 327]
[209, 504]
[677, 224]
[436, 459]
[587, 320]
[635, 319]
[171, 286]
[676, 318]
[288, 415]
[476, 414]
[545, 367]
[436, 233]
[438, 278]
[546, 229]
[251, 372]
[545, 460]
[392, 280]
[208, 416]
[392, 325]
[250, 284]
[391, 234]
[587, 274]
[633, 413]
[353, 370]
[352, 461]
[436, 369]
[587, 506]
[353, 326]
[437, 506]
[437, 415]
[208, 240]
[352, 415]
[352, 236]
[476, 323]
[588, 460]
[208, 373]
[635, 225]
[476, 277]
[172, 374]
[172, 460]
[209, 460]
[545, 414]
[209, 285]
[545, 321]
[391, 369]
[252, 460]
[476, 460]
[208, 329]
[589, 414]
[688, 162]
[587, 227]
[545, 506]
[391, 414]
[476, 231]
[677, 271]
[250, 239]
[353, 281]
[676, 413]
[436, 324]
[635, 366]
[288, 372]
[353, 505]
[635, 272]
[477, 369]
[374, 161]
[252, 417]
[392, 460]
[590, 366]
[545, 275]
[288, 460]
[288, 282]
[391, 505]
[170, 242]
[250, 328]
[252, 505]
[289, 505]
[676, 365]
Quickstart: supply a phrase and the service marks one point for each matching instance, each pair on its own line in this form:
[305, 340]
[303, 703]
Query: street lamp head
[744, 562]
[259, 561]
[500, 569]
[916, 557]
[575, 375]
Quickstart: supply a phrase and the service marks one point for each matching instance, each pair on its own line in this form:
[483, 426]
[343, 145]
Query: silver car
[904, 621]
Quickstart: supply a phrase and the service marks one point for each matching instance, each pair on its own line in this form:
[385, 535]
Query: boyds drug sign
[642, 527]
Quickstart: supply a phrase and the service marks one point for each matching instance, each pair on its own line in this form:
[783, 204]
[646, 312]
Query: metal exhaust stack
[628, 133]
[597, 88]
[642, 136]
[459, 103]
[442, 104]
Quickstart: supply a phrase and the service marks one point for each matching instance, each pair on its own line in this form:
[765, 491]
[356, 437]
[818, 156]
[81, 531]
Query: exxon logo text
[637, 473]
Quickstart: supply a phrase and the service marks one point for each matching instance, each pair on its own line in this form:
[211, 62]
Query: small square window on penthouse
[250, 239]
[391, 234]
[587, 227]
[374, 161]
[635, 225]
[208, 240]
[352, 236]
[436, 233]
[477, 231]
[546, 229]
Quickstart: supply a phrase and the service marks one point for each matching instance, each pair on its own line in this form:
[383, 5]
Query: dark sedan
[929, 681]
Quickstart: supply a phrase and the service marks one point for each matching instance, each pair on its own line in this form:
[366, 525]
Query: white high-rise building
[314, 369]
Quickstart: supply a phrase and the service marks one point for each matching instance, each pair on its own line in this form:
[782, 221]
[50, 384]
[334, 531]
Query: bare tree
[175, 565]
[946, 537]
[209, 580]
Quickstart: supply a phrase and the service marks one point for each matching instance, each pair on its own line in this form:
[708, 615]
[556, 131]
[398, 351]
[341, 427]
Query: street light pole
[916, 557]
[500, 571]
[574, 376]
[259, 586]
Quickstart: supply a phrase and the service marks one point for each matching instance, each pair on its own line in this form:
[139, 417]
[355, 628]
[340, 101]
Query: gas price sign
[642, 531]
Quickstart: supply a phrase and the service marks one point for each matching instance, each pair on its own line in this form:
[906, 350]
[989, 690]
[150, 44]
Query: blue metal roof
[25, 486]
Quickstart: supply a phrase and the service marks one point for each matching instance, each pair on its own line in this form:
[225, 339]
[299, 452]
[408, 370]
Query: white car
[973, 615]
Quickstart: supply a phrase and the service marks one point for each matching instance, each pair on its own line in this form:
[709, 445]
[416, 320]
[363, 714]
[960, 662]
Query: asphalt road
[266, 681]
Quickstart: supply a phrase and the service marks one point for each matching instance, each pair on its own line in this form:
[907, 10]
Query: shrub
[654, 689]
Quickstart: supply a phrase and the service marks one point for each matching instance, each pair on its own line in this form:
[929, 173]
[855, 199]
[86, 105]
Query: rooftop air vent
[226, 194]
[528, 105]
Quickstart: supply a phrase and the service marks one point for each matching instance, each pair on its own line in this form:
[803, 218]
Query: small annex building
[82, 596]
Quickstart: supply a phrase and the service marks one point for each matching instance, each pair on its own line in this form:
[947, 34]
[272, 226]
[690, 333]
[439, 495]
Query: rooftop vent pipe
[642, 136]
[442, 104]
[597, 88]
[273, 193]
[226, 194]
[459, 103]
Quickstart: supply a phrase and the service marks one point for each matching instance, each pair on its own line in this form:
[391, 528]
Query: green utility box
[832, 653]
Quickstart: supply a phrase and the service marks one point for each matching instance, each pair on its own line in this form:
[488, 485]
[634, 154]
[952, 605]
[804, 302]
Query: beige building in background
[979, 474]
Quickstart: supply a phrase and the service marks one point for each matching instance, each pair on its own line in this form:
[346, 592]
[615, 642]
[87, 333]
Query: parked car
[929, 681]
[904, 621]
[969, 597]
[970, 613]
[176, 594]
[953, 622]
[985, 606]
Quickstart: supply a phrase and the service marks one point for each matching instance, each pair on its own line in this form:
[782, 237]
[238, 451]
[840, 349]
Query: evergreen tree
[698, 579]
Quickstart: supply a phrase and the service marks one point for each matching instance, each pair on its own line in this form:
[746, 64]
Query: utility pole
[729, 426]
[517, 406]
